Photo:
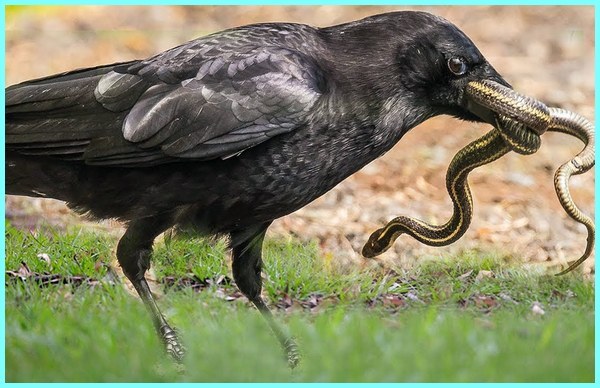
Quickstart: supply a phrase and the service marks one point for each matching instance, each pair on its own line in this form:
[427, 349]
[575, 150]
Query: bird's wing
[210, 98]
[233, 101]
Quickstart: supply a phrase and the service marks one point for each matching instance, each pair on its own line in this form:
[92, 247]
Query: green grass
[435, 322]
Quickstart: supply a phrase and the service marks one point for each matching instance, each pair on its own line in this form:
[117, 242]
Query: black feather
[241, 126]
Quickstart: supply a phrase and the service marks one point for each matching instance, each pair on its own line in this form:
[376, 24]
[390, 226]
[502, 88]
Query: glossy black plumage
[331, 100]
[230, 131]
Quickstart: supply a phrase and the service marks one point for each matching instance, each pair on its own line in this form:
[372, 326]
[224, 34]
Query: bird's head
[416, 60]
[437, 65]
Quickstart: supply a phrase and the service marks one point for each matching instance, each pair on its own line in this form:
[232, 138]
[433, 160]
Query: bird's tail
[48, 122]
[57, 115]
[40, 177]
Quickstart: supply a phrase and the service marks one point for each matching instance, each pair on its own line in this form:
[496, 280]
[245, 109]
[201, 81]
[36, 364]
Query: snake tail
[573, 124]
[511, 105]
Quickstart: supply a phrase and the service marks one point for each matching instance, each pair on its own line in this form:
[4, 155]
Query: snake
[520, 121]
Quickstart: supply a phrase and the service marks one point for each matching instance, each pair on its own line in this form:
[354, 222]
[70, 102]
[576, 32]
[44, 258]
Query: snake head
[375, 245]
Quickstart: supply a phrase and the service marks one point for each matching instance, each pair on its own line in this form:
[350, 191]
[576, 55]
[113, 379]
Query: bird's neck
[370, 124]
[350, 138]
[366, 96]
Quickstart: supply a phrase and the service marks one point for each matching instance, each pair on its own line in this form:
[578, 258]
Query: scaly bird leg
[133, 253]
[247, 266]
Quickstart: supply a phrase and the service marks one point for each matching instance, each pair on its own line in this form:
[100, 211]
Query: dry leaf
[98, 265]
[507, 298]
[393, 300]
[484, 274]
[24, 270]
[412, 296]
[485, 301]
[44, 257]
[537, 309]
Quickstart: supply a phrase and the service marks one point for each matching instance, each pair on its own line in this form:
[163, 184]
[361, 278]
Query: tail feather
[60, 115]
[57, 130]
[73, 74]
[66, 95]
[77, 92]
[51, 96]
[40, 177]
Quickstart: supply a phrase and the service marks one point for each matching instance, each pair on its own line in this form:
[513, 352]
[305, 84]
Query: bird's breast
[261, 184]
[291, 171]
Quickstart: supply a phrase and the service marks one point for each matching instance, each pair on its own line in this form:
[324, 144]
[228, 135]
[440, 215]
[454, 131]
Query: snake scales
[520, 120]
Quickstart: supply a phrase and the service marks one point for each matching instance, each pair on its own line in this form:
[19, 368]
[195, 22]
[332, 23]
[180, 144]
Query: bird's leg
[247, 266]
[134, 252]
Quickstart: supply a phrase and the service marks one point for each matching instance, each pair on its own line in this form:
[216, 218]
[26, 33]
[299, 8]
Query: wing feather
[227, 107]
[210, 98]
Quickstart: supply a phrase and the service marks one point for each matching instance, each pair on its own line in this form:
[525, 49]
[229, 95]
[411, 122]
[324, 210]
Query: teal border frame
[283, 2]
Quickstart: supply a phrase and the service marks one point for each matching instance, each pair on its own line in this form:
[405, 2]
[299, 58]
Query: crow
[225, 133]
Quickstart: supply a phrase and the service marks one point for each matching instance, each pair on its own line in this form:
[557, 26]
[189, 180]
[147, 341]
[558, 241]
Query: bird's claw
[172, 344]
[292, 352]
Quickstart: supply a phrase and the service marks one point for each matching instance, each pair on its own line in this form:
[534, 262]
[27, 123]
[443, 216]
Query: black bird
[230, 131]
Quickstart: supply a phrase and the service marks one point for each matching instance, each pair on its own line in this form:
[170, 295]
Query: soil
[546, 52]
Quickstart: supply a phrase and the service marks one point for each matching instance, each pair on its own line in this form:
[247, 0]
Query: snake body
[520, 120]
[575, 125]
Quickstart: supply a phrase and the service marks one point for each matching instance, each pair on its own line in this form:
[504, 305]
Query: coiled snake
[520, 120]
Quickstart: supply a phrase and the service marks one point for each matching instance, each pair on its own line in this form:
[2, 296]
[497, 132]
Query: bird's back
[246, 124]
[95, 135]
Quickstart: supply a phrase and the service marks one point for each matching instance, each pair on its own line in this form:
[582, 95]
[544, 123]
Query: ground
[469, 318]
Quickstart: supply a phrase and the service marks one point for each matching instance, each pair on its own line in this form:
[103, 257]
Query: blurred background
[546, 52]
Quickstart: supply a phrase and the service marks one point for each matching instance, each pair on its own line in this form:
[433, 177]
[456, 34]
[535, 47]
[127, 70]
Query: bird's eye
[457, 66]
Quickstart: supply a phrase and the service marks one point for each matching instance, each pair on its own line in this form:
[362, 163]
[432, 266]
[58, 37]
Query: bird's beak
[485, 114]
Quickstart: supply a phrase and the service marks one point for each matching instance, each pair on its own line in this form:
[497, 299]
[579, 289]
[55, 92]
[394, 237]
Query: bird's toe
[173, 346]
[292, 353]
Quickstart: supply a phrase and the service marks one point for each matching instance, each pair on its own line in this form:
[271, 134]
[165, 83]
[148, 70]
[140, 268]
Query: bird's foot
[292, 352]
[172, 344]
